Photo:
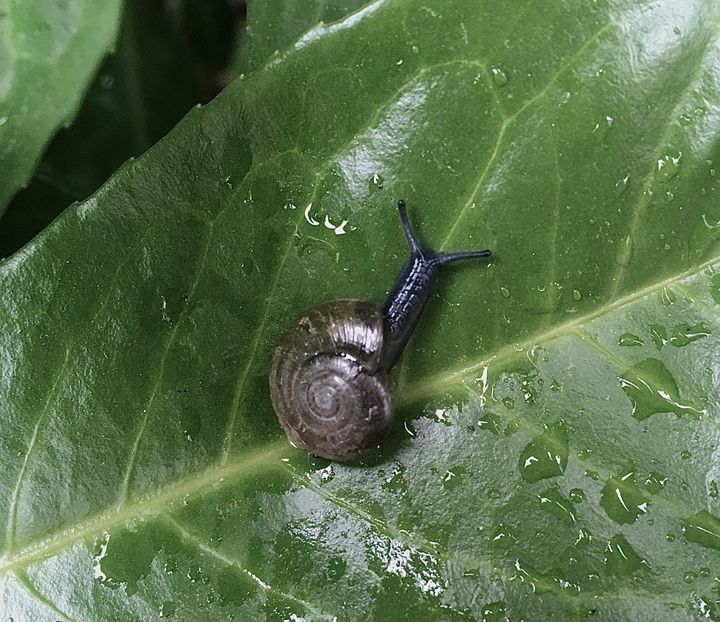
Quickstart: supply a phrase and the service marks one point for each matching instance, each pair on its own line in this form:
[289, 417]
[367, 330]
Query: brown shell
[325, 383]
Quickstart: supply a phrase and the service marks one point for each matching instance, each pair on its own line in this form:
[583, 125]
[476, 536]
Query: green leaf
[139, 94]
[49, 52]
[273, 25]
[143, 472]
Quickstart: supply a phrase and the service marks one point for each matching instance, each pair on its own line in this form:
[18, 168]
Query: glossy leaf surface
[555, 450]
[49, 51]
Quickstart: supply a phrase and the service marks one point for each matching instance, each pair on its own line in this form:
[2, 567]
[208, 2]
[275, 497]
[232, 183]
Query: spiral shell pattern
[325, 383]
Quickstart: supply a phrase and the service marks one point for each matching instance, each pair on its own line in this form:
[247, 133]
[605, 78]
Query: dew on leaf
[593, 475]
[376, 182]
[552, 502]
[577, 295]
[505, 292]
[622, 499]
[620, 558]
[491, 422]
[652, 389]
[453, 477]
[494, 612]
[667, 296]
[670, 536]
[704, 529]
[584, 538]
[629, 340]
[577, 495]
[499, 77]
[621, 186]
[658, 334]
[713, 489]
[690, 576]
[494, 493]
[167, 609]
[623, 251]
[233, 587]
[655, 482]
[685, 454]
[546, 455]
[668, 166]
[684, 334]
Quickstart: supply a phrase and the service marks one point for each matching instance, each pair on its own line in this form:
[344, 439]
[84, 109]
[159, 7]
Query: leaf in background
[49, 51]
[140, 93]
[555, 456]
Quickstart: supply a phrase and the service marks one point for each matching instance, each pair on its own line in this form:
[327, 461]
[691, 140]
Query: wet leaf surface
[144, 473]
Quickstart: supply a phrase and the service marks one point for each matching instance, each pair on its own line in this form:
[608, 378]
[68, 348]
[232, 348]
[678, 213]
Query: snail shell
[326, 383]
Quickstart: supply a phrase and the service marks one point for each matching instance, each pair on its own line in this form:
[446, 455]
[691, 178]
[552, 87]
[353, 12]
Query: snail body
[329, 381]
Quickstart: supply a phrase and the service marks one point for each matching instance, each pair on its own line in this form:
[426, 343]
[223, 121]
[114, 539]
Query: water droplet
[172, 304]
[629, 340]
[453, 477]
[685, 455]
[683, 334]
[376, 182]
[577, 495]
[593, 475]
[704, 571]
[124, 559]
[620, 558]
[576, 294]
[669, 196]
[504, 535]
[233, 587]
[655, 482]
[667, 296]
[491, 422]
[167, 609]
[670, 536]
[622, 185]
[555, 386]
[704, 529]
[494, 612]
[584, 454]
[584, 537]
[659, 335]
[546, 455]
[552, 502]
[622, 499]
[668, 166]
[508, 402]
[505, 292]
[715, 288]
[713, 489]
[689, 576]
[652, 389]
[499, 77]
[602, 128]
[511, 428]
[623, 251]
[494, 493]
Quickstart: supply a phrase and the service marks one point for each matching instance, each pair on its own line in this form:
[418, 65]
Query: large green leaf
[273, 25]
[555, 453]
[49, 51]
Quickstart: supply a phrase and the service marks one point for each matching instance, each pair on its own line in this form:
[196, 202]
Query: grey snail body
[329, 381]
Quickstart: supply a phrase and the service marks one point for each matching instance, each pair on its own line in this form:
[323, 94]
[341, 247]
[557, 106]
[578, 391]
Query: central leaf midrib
[261, 458]
[435, 384]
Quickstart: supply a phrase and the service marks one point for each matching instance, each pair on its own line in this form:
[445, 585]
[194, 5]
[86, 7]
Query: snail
[329, 380]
